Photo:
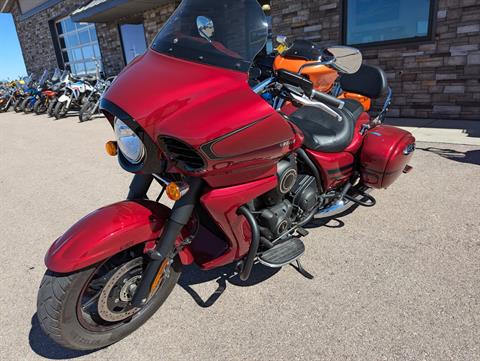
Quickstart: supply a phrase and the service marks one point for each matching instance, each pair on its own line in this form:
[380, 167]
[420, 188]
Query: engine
[295, 197]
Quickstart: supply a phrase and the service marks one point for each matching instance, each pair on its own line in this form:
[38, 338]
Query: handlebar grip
[328, 99]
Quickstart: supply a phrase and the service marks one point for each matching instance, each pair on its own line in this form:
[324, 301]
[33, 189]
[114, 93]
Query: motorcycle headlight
[129, 143]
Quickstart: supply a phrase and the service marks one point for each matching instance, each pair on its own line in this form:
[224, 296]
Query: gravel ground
[399, 281]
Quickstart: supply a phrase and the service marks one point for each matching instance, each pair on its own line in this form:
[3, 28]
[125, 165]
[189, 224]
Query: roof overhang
[6, 5]
[104, 11]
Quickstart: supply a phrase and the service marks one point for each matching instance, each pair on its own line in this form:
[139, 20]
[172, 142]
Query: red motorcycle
[248, 163]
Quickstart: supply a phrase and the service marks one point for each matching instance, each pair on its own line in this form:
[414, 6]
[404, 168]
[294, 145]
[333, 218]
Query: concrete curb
[466, 132]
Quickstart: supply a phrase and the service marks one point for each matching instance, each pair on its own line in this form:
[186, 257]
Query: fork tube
[139, 186]
[181, 213]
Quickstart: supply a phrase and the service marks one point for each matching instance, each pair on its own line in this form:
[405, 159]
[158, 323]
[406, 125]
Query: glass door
[133, 41]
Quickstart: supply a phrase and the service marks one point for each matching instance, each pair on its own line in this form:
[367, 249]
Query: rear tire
[60, 110]
[59, 309]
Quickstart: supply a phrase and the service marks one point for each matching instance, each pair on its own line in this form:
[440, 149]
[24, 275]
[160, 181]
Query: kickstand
[302, 270]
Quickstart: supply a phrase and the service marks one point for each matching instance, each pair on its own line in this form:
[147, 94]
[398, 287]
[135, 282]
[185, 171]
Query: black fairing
[369, 80]
[304, 49]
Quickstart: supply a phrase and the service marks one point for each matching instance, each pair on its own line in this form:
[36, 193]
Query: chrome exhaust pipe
[339, 206]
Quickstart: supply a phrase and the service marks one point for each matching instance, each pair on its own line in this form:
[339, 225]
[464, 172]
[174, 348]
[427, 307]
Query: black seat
[369, 80]
[323, 132]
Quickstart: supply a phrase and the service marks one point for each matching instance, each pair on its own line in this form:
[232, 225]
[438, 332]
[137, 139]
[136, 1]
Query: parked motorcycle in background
[65, 79]
[8, 93]
[73, 97]
[34, 93]
[247, 167]
[25, 85]
[92, 104]
[48, 92]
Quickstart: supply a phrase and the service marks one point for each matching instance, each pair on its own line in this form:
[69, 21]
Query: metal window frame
[432, 25]
[119, 29]
[71, 63]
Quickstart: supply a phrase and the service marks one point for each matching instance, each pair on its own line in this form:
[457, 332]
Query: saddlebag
[385, 153]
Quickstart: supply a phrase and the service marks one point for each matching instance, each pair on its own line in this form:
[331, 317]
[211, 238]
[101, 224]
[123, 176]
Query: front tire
[17, 105]
[86, 112]
[61, 312]
[60, 110]
[25, 106]
[51, 106]
[40, 107]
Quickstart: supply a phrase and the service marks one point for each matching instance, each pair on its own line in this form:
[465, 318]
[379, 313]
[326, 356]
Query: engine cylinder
[287, 175]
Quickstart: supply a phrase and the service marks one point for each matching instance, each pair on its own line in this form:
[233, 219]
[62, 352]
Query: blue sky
[11, 58]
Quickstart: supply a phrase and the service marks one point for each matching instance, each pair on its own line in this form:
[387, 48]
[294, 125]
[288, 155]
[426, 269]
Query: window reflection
[133, 40]
[383, 20]
[79, 45]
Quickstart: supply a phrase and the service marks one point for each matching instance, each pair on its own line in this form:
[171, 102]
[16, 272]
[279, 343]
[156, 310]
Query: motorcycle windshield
[64, 77]
[56, 75]
[43, 78]
[222, 33]
[27, 80]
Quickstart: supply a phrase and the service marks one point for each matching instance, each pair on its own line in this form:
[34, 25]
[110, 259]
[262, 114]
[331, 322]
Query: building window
[133, 41]
[79, 46]
[374, 21]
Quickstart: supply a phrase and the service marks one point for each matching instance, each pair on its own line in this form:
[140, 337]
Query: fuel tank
[206, 119]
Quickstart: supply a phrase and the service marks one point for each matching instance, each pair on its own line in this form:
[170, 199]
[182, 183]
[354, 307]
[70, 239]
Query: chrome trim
[162, 180]
[337, 207]
[409, 149]
[305, 101]
[279, 265]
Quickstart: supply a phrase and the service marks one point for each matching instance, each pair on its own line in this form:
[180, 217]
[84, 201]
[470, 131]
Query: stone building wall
[438, 78]
[110, 47]
[35, 35]
[154, 19]
[38, 45]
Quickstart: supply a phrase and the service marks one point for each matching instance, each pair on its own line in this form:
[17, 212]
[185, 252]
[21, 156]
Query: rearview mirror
[348, 60]
[205, 27]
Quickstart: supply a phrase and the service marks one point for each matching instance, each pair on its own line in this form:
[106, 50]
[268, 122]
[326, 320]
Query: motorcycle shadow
[43, 346]
[192, 275]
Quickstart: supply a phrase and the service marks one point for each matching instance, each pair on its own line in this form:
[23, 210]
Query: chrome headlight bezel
[129, 144]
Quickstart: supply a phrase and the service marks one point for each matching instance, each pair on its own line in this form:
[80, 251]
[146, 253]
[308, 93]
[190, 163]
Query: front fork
[179, 217]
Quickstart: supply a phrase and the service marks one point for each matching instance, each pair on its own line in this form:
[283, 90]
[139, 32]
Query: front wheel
[51, 106]
[60, 110]
[90, 309]
[26, 105]
[40, 106]
[86, 112]
[17, 105]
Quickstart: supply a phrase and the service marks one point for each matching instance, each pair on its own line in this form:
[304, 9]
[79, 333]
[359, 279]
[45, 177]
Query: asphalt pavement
[399, 281]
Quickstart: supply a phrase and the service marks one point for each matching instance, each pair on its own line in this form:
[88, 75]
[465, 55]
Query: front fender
[105, 232]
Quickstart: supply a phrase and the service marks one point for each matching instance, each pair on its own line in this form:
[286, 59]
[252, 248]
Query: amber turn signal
[175, 191]
[111, 148]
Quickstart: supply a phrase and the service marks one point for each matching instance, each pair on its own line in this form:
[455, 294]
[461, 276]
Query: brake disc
[114, 300]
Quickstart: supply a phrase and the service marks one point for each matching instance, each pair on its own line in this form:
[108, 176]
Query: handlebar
[328, 99]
